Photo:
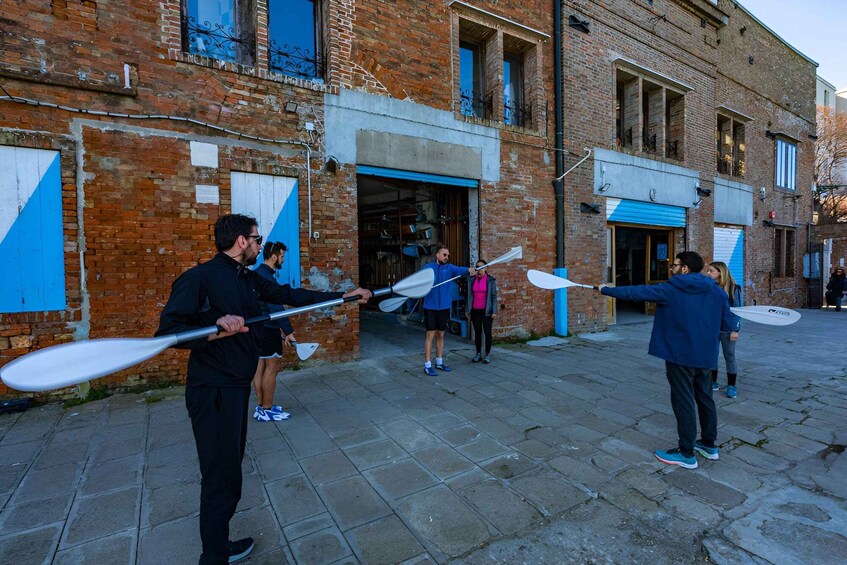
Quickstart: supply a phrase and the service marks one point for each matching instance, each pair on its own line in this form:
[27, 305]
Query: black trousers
[481, 323]
[219, 421]
[691, 396]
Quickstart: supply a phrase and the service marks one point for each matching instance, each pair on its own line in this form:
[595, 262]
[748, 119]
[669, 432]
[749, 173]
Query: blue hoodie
[439, 298]
[691, 311]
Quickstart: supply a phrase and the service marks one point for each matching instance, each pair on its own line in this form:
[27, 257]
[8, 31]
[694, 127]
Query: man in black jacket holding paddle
[225, 292]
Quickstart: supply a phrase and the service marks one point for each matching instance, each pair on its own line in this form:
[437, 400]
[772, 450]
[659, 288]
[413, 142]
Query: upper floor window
[472, 99]
[515, 112]
[786, 164]
[295, 28]
[649, 116]
[731, 146]
[220, 29]
[783, 252]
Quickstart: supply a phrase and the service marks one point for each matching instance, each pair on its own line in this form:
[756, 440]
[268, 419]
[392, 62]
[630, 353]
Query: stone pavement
[543, 456]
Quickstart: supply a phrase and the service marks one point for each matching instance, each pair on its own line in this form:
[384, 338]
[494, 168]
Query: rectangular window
[514, 111]
[786, 164]
[783, 252]
[295, 38]
[220, 29]
[731, 147]
[471, 82]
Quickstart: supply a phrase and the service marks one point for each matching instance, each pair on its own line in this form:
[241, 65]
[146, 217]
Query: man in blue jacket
[691, 311]
[437, 307]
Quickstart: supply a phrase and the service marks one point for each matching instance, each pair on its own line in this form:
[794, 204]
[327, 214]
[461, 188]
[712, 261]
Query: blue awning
[412, 175]
[646, 213]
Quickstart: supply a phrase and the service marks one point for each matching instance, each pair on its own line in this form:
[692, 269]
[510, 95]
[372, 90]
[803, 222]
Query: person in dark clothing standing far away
[480, 307]
[271, 338]
[691, 312]
[437, 307]
[224, 291]
[836, 287]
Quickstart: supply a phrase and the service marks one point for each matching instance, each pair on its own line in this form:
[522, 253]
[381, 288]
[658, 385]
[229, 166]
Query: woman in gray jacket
[480, 307]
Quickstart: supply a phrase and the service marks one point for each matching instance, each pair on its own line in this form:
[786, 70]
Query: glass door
[657, 260]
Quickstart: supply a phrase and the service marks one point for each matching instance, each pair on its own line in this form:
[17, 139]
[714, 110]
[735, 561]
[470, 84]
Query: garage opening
[400, 223]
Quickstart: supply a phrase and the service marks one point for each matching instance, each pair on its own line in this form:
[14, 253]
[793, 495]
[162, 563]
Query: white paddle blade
[74, 363]
[305, 350]
[768, 315]
[551, 282]
[392, 304]
[513, 253]
[415, 285]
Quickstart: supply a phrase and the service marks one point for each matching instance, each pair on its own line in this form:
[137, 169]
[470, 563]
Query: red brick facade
[132, 221]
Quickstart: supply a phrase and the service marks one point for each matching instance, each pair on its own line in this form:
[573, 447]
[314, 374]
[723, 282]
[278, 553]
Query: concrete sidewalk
[543, 456]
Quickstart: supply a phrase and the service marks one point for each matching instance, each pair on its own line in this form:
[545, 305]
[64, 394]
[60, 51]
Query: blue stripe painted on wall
[646, 213]
[32, 253]
[412, 175]
[286, 229]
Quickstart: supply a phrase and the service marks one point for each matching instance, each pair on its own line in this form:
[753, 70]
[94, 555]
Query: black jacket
[267, 308]
[216, 288]
[836, 284]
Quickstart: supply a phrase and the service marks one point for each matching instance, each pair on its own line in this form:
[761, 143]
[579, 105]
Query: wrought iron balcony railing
[296, 61]
[517, 114]
[649, 142]
[214, 40]
[672, 149]
[476, 106]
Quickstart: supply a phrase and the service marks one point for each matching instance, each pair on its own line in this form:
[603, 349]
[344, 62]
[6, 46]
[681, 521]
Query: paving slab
[102, 515]
[701, 486]
[443, 461]
[321, 548]
[327, 467]
[170, 502]
[115, 549]
[386, 540]
[353, 502]
[444, 523]
[32, 547]
[375, 454]
[32, 515]
[294, 499]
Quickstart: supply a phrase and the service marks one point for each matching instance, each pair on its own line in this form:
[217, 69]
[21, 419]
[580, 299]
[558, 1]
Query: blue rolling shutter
[646, 213]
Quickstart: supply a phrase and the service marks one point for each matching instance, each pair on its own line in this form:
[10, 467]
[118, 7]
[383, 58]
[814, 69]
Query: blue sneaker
[707, 452]
[716, 386]
[444, 368]
[430, 371]
[731, 392]
[674, 457]
[277, 410]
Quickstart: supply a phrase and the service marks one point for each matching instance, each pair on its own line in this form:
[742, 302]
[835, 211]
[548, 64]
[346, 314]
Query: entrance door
[657, 268]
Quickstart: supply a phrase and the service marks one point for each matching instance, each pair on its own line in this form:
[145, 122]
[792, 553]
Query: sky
[816, 28]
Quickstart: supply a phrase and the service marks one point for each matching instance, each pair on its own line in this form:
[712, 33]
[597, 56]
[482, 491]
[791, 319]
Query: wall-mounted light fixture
[291, 107]
[704, 191]
[604, 188]
[762, 192]
[585, 208]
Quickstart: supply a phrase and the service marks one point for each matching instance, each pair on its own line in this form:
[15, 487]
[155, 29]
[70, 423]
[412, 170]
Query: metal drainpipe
[559, 185]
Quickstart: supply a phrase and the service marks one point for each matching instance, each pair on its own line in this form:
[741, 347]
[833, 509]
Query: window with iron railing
[515, 112]
[294, 30]
[220, 29]
[472, 97]
[731, 147]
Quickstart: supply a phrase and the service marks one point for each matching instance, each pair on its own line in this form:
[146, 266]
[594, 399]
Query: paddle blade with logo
[305, 350]
[768, 315]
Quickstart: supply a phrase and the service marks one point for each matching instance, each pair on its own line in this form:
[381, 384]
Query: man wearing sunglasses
[225, 292]
[691, 311]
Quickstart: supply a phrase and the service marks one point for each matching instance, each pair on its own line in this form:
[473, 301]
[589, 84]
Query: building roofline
[775, 34]
[501, 19]
[825, 82]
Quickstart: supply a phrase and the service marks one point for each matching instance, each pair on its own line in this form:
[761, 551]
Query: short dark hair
[273, 248]
[229, 227]
[439, 246]
[483, 261]
[692, 260]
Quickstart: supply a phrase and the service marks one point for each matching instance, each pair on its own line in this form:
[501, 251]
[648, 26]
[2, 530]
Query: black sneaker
[238, 550]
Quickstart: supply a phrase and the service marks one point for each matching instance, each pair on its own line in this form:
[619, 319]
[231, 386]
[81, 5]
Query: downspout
[560, 297]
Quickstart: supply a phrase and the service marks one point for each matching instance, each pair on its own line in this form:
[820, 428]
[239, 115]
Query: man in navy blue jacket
[691, 311]
[437, 307]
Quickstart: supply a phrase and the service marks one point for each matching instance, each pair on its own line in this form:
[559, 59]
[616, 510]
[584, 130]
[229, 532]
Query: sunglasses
[257, 238]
